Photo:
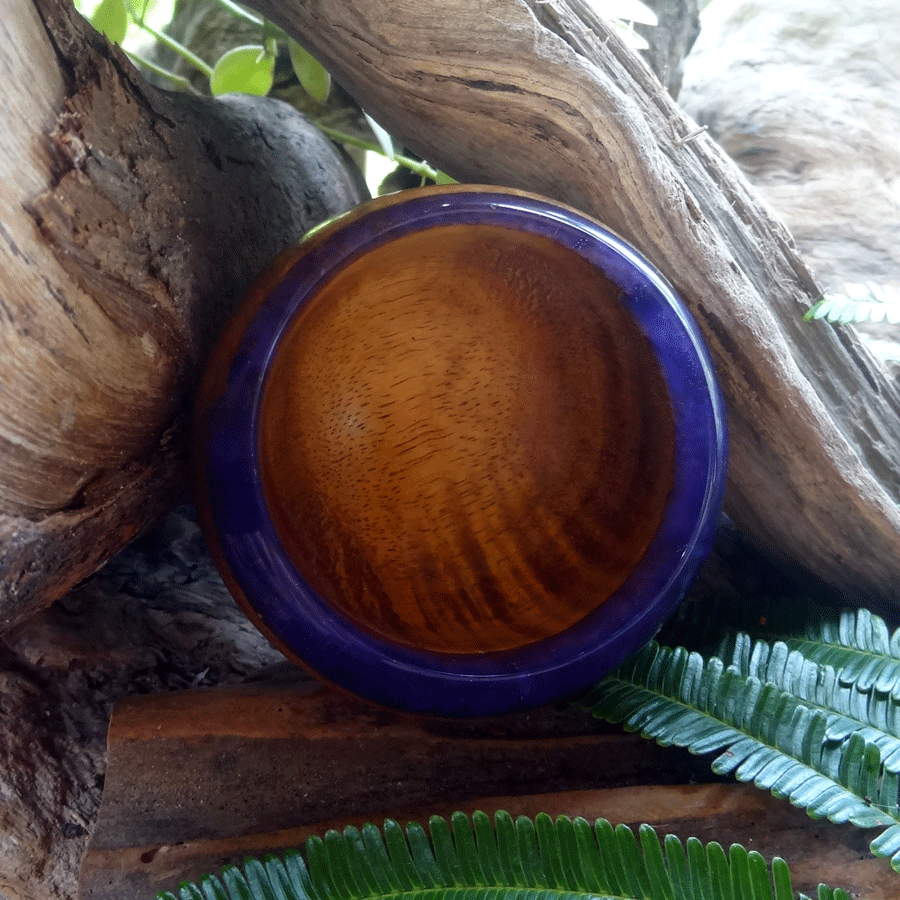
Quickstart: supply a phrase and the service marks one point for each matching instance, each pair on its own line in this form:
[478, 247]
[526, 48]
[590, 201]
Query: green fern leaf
[859, 303]
[521, 859]
[763, 733]
[858, 645]
[848, 707]
[855, 643]
[853, 648]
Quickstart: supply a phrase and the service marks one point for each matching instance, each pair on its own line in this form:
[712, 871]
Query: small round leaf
[312, 75]
[111, 18]
[243, 70]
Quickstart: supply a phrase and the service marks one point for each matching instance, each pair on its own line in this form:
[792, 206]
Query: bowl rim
[259, 573]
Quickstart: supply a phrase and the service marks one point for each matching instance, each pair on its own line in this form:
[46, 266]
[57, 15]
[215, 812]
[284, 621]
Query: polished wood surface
[466, 443]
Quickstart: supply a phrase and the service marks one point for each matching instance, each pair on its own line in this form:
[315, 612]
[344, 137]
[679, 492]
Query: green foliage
[250, 68]
[142, 8]
[247, 70]
[859, 303]
[814, 718]
[859, 646]
[312, 75]
[855, 643]
[473, 859]
[385, 141]
[111, 18]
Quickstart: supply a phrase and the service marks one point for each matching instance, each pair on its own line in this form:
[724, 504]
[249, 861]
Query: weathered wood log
[158, 618]
[837, 496]
[545, 97]
[131, 222]
[199, 779]
[805, 97]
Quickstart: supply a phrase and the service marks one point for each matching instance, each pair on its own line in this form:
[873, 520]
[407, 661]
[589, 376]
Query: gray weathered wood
[544, 96]
[158, 618]
[130, 222]
[805, 97]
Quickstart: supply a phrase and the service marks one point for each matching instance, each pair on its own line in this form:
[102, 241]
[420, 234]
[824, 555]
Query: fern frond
[856, 643]
[521, 859]
[848, 707]
[763, 734]
[859, 303]
[859, 646]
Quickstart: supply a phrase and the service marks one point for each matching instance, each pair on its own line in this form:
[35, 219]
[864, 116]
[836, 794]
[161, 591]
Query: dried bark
[814, 420]
[132, 220]
[671, 39]
[158, 618]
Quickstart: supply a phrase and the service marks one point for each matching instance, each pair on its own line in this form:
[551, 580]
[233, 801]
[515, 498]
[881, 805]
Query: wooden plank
[202, 778]
[260, 759]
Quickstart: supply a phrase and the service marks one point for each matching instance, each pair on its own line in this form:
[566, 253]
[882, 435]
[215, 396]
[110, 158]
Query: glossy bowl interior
[461, 451]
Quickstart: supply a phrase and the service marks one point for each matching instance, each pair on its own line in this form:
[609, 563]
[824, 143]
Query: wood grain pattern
[466, 442]
[199, 779]
[130, 228]
[545, 97]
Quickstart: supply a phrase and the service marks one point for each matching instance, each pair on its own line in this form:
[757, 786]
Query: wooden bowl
[461, 451]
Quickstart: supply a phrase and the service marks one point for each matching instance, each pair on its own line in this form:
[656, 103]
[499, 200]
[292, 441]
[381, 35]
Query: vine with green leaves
[249, 68]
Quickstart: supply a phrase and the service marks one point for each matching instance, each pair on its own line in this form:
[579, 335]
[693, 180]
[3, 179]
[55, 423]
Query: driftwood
[131, 222]
[805, 97]
[544, 96]
[100, 452]
[197, 780]
[158, 618]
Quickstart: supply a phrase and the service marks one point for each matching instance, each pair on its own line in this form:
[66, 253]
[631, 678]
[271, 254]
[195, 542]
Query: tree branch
[132, 220]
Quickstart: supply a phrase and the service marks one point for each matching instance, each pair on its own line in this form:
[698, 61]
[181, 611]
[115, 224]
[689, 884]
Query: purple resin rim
[479, 684]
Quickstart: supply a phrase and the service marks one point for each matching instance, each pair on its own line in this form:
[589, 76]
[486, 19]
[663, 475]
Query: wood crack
[146, 245]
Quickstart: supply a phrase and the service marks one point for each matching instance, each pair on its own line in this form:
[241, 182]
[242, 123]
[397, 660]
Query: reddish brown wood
[195, 780]
[444, 457]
